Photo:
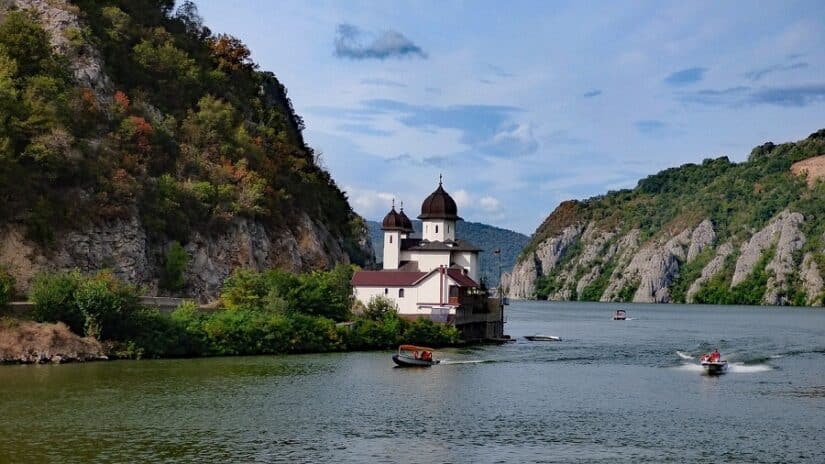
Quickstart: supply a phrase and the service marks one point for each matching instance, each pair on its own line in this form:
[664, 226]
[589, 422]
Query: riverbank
[28, 342]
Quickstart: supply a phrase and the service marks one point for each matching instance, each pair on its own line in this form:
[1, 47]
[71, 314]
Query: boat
[543, 338]
[713, 363]
[414, 356]
[620, 315]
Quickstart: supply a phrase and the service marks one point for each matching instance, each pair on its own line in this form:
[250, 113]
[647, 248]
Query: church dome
[439, 205]
[393, 221]
[405, 221]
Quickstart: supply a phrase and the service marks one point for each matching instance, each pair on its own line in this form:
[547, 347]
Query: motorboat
[713, 363]
[414, 356]
[543, 338]
[620, 315]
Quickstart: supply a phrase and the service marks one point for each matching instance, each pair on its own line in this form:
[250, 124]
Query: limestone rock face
[812, 280]
[701, 237]
[122, 245]
[782, 265]
[711, 269]
[752, 250]
[521, 281]
[59, 19]
[551, 251]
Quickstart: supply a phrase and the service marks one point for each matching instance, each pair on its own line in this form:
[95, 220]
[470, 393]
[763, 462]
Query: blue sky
[522, 105]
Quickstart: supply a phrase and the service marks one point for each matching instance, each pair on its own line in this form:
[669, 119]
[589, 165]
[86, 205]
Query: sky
[521, 105]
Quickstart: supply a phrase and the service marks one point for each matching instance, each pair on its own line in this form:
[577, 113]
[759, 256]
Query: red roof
[386, 278]
[405, 278]
[460, 278]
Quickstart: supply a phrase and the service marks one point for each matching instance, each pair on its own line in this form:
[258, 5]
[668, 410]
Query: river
[609, 392]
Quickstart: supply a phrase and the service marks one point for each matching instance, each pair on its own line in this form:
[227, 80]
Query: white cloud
[369, 203]
[462, 198]
[489, 203]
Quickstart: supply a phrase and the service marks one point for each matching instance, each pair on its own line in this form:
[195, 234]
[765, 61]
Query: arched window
[436, 228]
[390, 238]
[400, 293]
[386, 291]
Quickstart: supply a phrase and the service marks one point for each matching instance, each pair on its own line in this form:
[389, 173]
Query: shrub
[54, 299]
[379, 307]
[6, 287]
[426, 332]
[107, 305]
[174, 266]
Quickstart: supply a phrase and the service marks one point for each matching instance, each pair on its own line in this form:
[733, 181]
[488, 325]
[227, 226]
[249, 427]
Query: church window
[390, 238]
[386, 291]
[436, 228]
[400, 293]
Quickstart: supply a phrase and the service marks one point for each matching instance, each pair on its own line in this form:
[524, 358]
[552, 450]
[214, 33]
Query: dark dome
[393, 221]
[439, 205]
[405, 221]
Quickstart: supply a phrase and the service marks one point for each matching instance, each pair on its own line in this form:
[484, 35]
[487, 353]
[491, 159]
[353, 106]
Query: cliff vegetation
[716, 232]
[130, 120]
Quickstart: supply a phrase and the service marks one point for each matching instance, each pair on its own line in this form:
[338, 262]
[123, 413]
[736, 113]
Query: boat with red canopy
[414, 356]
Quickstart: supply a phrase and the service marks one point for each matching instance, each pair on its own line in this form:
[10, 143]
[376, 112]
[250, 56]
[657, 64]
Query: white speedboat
[543, 338]
[713, 363]
[620, 315]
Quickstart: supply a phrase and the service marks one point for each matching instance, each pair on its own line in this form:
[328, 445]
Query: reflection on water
[610, 392]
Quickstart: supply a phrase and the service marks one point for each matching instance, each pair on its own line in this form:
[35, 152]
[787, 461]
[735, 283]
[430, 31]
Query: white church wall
[427, 260]
[438, 230]
[406, 305]
[392, 249]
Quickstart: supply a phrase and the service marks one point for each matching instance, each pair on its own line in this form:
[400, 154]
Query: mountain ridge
[715, 232]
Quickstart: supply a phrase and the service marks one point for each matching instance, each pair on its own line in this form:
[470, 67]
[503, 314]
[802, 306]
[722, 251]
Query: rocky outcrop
[650, 269]
[122, 245]
[701, 237]
[782, 265]
[520, 283]
[27, 342]
[752, 250]
[812, 281]
[712, 268]
[60, 20]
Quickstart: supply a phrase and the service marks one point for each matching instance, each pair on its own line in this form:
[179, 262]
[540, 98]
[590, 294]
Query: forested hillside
[715, 232]
[486, 237]
[130, 122]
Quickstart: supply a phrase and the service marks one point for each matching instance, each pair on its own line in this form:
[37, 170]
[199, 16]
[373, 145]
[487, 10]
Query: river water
[609, 392]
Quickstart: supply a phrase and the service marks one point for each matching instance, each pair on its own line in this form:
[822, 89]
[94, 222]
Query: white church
[431, 276]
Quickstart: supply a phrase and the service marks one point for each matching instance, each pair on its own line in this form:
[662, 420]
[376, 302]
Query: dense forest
[180, 128]
[595, 260]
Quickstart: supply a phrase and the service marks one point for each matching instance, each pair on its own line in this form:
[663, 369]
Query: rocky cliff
[719, 232]
[118, 168]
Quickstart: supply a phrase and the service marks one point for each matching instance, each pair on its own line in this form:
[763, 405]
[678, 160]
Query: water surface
[609, 392]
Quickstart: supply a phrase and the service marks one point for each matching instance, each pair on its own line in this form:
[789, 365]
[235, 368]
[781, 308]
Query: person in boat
[426, 356]
[705, 357]
[415, 354]
[715, 356]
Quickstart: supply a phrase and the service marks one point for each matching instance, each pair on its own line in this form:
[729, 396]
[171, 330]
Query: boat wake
[469, 361]
[741, 368]
[752, 366]
[684, 355]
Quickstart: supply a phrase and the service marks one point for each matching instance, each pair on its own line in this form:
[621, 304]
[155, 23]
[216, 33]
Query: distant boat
[713, 363]
[542, 338]
[620, 315]
[414, 356]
